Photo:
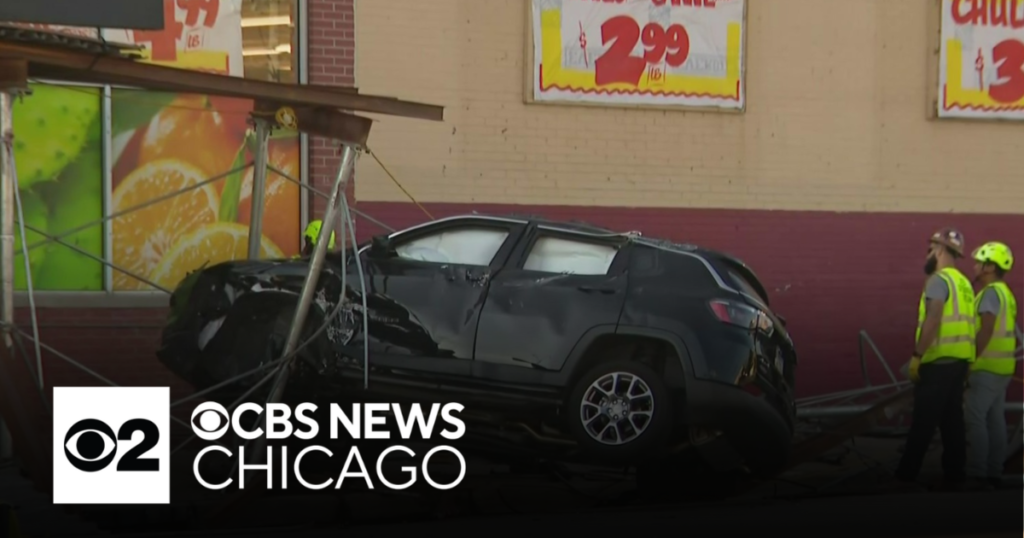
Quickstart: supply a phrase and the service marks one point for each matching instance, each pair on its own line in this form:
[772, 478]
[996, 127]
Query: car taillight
[742, 315]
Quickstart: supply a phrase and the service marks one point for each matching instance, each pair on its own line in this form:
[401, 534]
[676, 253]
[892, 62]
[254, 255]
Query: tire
[638, 435]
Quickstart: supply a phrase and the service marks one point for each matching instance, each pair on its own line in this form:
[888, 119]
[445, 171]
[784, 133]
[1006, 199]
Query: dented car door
[558, 286]
[425, 297]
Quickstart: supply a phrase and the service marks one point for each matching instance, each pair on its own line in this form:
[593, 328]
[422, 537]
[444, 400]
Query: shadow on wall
[830, 274]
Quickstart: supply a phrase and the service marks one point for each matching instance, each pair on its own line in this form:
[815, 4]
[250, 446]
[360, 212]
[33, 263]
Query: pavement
[834, 497]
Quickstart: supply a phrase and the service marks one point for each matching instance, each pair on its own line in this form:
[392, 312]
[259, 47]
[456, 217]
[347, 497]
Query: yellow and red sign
[685, 53]
[981, 70]
[202, 35]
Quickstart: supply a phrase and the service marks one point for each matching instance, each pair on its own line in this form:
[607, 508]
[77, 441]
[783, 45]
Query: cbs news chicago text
[210, 422]
[111, 445]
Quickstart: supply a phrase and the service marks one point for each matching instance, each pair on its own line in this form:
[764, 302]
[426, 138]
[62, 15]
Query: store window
[158, 144]
[270, 40]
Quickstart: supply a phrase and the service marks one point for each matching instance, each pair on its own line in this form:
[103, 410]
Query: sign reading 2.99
[981, 70]
[685, 53]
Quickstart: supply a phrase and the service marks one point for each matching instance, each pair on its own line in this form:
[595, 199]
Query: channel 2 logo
[111, 445]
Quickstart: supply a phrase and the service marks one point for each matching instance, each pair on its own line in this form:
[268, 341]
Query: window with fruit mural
[158, 144]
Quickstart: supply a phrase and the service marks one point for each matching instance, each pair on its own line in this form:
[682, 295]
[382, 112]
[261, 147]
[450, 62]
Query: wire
[393, 178]
[362, 286]
[142, 99]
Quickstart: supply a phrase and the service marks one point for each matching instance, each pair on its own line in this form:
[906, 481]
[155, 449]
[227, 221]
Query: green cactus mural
[58, 152]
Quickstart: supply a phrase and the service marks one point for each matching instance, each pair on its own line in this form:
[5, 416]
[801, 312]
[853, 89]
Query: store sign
[666, 53]
[981, 70]
[204, 35]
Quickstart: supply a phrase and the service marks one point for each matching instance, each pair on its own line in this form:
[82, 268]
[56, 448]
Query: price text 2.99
[618, 65]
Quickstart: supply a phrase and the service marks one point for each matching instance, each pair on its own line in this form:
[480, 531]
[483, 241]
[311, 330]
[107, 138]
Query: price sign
[204, 35]
[981, 70]
[682, 53]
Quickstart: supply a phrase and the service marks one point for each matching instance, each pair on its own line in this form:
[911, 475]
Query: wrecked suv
[556, 336]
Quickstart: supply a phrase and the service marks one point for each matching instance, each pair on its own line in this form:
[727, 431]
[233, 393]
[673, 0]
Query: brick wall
[835, 120]
[332, 43]
[830, 274]
[119, 343]
[829, 184]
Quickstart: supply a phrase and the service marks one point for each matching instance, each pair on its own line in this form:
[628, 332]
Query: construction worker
[939, 366]
[992, 372]
[310, 236]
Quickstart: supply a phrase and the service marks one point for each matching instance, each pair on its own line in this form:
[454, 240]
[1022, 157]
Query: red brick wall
[119, 343]
[332, 44]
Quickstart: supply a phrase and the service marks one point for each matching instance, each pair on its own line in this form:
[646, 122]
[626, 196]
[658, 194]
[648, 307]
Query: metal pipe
[864, 337]
[831, 411]
[28, 264]
[863, 361]
[848, 393]
[259, 187]
[316, 264]
[7, 209]
[846, 410]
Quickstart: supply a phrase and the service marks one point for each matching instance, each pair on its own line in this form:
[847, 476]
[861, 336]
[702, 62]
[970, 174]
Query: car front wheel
[620, 411]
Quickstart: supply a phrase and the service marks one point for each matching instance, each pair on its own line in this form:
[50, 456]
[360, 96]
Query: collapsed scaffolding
[31, 55]
[309, 109]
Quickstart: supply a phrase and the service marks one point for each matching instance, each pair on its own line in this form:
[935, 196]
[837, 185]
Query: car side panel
[669, 292]
[423, 316]
[534, 319]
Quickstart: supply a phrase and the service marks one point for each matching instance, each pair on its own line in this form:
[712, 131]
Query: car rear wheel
[620, 411]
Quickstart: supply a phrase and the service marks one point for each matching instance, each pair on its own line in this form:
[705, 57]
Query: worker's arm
[989, 310]
[936, 292]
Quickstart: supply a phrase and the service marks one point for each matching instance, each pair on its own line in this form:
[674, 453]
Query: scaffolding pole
[6, 244]
[259, 181]
[8, 208]
[316, 263]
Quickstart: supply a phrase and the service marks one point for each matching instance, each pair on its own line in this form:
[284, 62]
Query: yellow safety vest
[998, 357]
[956, 338]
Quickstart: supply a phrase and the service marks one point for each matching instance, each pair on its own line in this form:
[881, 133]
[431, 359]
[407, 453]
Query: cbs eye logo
[90, 445]
[210, 421]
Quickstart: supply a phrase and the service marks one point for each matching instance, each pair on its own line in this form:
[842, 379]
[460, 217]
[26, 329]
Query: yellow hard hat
[995, 253]
[313, 231]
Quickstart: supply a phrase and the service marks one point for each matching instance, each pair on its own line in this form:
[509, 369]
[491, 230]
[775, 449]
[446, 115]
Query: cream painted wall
[836, 119]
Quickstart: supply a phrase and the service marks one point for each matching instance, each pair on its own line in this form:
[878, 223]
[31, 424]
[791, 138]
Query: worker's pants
[984, 413]
[938, 403]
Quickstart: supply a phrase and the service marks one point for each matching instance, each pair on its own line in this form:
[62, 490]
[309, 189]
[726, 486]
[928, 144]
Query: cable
[393, 178]
[362, 286]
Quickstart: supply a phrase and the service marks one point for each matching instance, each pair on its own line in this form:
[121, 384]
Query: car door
[558, 285]
[425, 297]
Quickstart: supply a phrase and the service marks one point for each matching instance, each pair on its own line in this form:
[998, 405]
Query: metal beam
[320, 121]
[815, 446]
[259, 183]
[74, 65]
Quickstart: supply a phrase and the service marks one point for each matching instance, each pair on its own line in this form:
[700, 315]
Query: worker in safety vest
[991, 373]
[310, 236]
[941, 360]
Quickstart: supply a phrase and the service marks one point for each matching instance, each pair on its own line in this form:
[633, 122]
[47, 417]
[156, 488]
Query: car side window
[560, 255]
[461, 246]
